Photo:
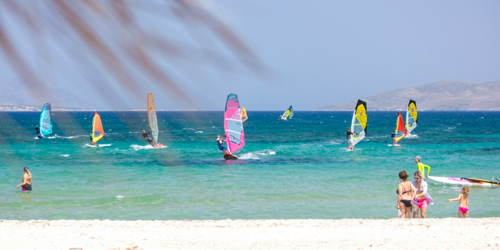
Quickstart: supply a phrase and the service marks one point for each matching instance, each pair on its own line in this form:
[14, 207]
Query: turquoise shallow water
[288, 169]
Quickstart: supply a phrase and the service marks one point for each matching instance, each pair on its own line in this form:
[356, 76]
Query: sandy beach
[449, 233]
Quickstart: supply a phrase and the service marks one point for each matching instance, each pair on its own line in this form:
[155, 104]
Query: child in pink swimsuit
[463, 209]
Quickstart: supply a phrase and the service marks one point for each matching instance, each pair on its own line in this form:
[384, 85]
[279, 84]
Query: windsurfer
[393, 135]
[38, 133]
[146, 136]
[350, 144]
[421, 167]
[92, 139]
[220, 143]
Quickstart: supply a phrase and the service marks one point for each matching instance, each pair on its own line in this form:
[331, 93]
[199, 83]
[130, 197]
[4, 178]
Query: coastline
[470, 233]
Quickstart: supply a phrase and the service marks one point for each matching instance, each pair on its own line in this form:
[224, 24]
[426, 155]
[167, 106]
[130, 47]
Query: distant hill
[443, 95]
[14, 92]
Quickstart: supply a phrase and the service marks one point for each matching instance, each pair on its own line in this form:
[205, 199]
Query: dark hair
[403, 175]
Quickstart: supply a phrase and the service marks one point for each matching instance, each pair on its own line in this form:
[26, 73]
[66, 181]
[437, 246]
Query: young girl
[463, 209]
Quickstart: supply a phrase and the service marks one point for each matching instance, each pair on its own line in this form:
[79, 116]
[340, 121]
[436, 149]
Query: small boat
[233, 126]
[467, 181]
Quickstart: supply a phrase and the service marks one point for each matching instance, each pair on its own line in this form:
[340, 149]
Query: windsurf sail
[287, 114]
[411, 116]
[45, 122]
[153, 122]
[233, 127]
[97, 130]
[244, 115]
[400, 129]
[359, 123]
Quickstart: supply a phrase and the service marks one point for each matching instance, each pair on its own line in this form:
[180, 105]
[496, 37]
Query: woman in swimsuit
[27, 180]
[406, 192]
[422, 196]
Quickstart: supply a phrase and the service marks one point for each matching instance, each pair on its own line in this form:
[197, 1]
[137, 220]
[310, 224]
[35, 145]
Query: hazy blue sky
[321, 52]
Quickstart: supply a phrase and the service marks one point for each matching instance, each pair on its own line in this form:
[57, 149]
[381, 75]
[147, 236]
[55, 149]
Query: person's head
[418, 176]
[465, 191]
[348, 129]
[417, 159]
[403, 175]
[144, 131]
[26, 170]
[218, 136]
[37, 126]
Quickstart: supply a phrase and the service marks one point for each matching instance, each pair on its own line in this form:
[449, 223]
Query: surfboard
[159, 145]
[230, 157]
[467, 181]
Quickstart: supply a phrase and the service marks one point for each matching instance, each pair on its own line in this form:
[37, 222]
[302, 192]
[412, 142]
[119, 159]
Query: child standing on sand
[463, 209]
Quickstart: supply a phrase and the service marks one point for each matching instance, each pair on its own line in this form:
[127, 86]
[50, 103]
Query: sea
[294, 169]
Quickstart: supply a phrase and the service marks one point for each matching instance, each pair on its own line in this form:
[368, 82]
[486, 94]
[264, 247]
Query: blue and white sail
[45, 121]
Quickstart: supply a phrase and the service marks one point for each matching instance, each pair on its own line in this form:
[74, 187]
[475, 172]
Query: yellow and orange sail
[97, 130]
[244, 115]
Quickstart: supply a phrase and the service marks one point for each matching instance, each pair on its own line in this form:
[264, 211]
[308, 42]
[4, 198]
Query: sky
[314, 53]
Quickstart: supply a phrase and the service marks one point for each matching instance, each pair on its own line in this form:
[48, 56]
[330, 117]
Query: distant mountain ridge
[438, 96]
[14, 92]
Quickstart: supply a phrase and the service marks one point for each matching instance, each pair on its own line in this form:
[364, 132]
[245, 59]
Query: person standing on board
[220, 143]
[38, 133]
[421, 166]
[146, 136]
[350, 143]
[393, 135]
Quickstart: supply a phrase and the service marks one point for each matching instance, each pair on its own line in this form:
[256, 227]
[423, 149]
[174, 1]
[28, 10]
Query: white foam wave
[143, 147]
[65, 137]
[97, 146]
[198, 132]
[65, 155]
[120, 197]
[411, 136]
[248, 156]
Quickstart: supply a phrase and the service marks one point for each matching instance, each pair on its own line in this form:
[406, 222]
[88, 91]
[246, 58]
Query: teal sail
[45, 122]
[291, 112]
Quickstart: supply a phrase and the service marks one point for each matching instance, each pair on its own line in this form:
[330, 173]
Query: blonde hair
[419, 174]
[466, 191]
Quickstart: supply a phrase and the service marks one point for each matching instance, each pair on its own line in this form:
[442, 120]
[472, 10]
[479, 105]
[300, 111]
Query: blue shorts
[222, 148]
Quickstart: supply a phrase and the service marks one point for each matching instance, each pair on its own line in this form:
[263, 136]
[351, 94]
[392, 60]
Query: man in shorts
[220, 143]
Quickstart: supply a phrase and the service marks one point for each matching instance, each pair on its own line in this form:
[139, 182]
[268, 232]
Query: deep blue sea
[296, 169]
